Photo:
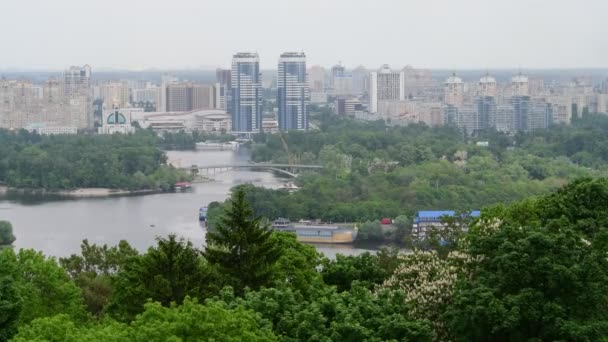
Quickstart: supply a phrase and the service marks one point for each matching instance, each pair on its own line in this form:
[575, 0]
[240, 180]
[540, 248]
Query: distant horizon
[213, 69]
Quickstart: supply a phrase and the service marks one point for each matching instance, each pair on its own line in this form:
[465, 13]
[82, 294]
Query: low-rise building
[425, 221]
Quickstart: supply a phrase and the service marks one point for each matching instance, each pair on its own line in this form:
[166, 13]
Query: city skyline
[439, 35]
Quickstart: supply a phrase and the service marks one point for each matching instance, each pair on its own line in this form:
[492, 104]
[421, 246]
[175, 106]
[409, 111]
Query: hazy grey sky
[138, 34]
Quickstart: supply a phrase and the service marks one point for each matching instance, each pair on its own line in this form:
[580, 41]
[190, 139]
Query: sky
[177, 34]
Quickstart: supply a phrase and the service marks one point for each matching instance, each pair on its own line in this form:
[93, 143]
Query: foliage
[42, 285]
[296, 268]
[357, 315]
[6, 233]
[541, 270]
[371, 231]
[10, 301]
[364, 269]
[241, 247]
[190, 321]
[187, 141]
[93, 269]
[165, 274]
[133, 161]
[374, 171]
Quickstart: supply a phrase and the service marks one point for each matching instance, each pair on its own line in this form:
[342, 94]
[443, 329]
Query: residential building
[453, 91]
[77, 86]
[385, 85]
[487, 86]
[293, 93]
[188, 96]
[417, 83]
[166, 80]
[360, 80]
[222, 88]
[115, 94]
[520, 85]
[316, 79]
[246, 93]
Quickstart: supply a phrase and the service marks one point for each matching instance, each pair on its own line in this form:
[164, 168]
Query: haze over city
[304, 170]
[468, 34]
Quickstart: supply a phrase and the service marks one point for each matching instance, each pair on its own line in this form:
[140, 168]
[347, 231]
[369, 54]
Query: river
[57, 226]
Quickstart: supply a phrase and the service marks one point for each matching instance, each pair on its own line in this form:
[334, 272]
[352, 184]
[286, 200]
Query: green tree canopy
[6, 233]
[167, 273]
[241, 247]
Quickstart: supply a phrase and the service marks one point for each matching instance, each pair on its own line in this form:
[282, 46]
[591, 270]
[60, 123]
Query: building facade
[385, 85]
[293, 93]
[246, 93]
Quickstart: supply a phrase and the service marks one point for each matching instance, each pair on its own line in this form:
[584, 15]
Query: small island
[85, 165]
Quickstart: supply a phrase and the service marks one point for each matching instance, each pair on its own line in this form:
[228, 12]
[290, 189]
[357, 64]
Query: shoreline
[80, 192]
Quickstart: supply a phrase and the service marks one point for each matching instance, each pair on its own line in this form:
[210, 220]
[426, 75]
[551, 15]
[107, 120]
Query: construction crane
[291, 159]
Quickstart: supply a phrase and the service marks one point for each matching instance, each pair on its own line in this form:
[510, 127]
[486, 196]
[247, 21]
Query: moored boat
[202, 214]
[317, 233]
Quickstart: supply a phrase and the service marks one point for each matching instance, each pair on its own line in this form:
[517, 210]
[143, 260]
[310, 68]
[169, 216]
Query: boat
[289, 186]
[317, 233]
[202, 214]
[216, 145]
[182, 186]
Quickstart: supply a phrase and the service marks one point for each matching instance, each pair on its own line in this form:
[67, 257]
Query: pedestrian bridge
[286, 169]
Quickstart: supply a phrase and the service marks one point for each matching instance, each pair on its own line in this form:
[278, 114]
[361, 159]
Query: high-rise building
[487, 86]
[417, 82]
[165, 80]
[246, 92]
[360, 80]
[453, 91]
[520, 85]
[486, 111]
[222, 88]
[316, 78]
[115, 94]
[77, 88]
[77, 81]
[188, 96]
[385, 85]
[293, 95]
[337, 71]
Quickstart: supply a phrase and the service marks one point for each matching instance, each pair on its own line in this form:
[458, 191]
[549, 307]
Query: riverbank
[81, 192]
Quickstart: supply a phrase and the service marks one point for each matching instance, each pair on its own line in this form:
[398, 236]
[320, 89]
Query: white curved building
[209, 120]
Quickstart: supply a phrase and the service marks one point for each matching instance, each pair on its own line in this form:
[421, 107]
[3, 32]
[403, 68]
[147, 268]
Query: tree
[10, 301]
[241, 247]
[93, 270]
[540, 270]
[6, 233]
[364, 269]
[43, 286]
[190, 321]
[297, 266]
[166, 274]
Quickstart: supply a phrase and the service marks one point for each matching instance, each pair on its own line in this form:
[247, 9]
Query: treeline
[532, 271]
[187, 140]
[373, 171]
[134, 161]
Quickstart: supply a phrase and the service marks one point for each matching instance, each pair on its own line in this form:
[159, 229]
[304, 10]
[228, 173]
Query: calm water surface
[57, 227]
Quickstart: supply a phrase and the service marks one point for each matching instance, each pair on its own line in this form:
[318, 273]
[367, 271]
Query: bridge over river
[287, 169]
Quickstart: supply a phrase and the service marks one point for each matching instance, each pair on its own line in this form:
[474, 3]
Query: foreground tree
[190, 321]
[166, 274]
[540, 270]
[33, 286]
[10, 301]
[94, 269]
[241, 247]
